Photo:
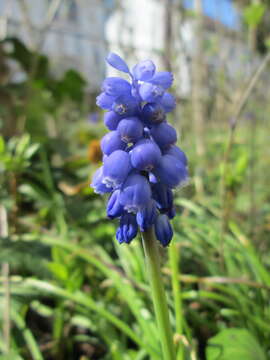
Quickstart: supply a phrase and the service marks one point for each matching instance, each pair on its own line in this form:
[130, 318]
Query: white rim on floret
[110, 182]
[157, 90]
[121, 109]
[182, 184]
[131, 209]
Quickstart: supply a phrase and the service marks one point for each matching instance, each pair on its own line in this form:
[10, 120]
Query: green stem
[174, 257]
[158, 294]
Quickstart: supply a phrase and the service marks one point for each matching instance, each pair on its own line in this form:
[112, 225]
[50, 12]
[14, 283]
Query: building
[75, 38]
[83, 31]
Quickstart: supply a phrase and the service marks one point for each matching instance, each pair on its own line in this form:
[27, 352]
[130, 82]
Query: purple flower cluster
[141, 163]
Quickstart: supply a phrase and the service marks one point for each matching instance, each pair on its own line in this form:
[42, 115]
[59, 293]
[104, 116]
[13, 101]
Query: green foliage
[25, 259]
[75, 293]
[71, 85]
[17, 51]
[253, 14]
[17, 153]
[238, 169]
[35, 102]
[234, 344]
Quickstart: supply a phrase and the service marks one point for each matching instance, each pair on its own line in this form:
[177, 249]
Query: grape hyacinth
[141, 163]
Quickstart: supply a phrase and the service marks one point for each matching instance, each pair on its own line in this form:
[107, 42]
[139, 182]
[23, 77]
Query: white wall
[137, 31]
[134, 29]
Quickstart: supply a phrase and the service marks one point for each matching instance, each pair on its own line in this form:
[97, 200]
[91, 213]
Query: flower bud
[171, 172]
[146, 217]
[127, 229]
[163, 230]
[97, 182]
[117, 62]
[162, 78]
[168, 102]
[163, 196]
[116, 168]
[111, 120]
[153, 114]
[105, 101]
[116, 86]
[114, 208]
[177, 153]
[145, 155]
[111, 142]
[144, 70]
[164, 135]
[135, 193]
[150, 92]
[125, 105]
[130, 130]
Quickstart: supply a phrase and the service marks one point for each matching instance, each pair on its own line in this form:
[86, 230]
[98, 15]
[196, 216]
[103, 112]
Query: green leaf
[11, 356]
[29, 338]
[59, 270]
[22, 144]
[253, 14]
[2, 145]
[30, 151]
[267, 42]
[234, 344]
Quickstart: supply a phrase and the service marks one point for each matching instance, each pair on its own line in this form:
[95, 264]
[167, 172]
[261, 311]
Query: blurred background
[67, 290]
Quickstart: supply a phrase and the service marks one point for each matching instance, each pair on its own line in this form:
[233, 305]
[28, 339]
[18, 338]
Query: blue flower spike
[141, 163]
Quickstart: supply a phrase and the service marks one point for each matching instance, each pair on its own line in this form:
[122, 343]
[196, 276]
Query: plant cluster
[141, 163]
